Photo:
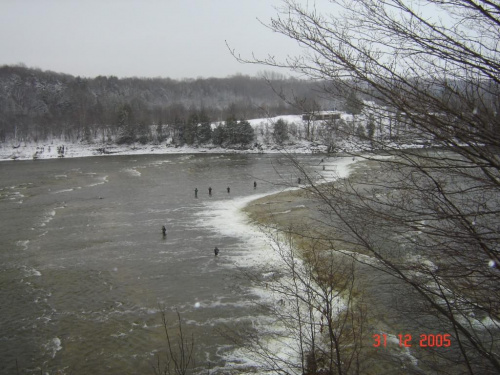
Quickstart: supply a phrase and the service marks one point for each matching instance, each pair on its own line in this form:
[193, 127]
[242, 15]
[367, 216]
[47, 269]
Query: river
[85, 270]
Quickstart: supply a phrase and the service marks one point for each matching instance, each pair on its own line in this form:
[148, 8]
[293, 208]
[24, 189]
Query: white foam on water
[23, 243]
[217, 322]
[133, 172]
[62, 191]
[53, 346]
[30, 272]
[160, 162]
[226, 218]
[14, 196]
[102, 180]
[49, 216]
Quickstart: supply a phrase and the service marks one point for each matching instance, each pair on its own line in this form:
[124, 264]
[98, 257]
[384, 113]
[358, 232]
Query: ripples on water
[85, 270]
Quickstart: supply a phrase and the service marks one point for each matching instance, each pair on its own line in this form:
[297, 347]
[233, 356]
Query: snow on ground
[263, 143]
[52, 149]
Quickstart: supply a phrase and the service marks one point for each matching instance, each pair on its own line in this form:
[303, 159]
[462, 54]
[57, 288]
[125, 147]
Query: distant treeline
[36, 105]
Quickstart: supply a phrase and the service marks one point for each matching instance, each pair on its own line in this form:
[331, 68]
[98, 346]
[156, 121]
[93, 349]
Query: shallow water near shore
[85, 270]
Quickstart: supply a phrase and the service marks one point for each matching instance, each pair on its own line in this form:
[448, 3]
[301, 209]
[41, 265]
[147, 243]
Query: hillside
[39, 105]
[49, 115]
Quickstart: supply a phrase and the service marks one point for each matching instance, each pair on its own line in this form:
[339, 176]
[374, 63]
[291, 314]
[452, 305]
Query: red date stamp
[406, 340]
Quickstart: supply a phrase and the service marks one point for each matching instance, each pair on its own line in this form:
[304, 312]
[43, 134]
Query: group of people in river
[216, 249]
[228, 190]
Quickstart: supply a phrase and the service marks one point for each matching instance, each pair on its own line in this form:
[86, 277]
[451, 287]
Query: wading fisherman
[255, 185]
[228, 190]
[196, 192]
[164, 231]
[216, 251]
[210, 190]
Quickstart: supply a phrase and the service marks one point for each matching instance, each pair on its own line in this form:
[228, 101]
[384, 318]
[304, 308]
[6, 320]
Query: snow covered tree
[280, 132]
[219, 135]
[190, 129]
[245, 131]
[238, 132]
[127, 131]
[204, 128]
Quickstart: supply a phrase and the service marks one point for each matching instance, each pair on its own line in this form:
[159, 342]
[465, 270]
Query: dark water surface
[84, 267]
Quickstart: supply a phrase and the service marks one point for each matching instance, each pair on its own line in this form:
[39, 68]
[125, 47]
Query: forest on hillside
[36, 105]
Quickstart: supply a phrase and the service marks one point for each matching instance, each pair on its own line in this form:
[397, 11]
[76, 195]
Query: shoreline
[58, 149]
[63, 150]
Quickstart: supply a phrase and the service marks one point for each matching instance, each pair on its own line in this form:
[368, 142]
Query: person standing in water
[228, 190]
[255, 185]
[164, 231]
[216, 251]
[210, 190]
[196, 192]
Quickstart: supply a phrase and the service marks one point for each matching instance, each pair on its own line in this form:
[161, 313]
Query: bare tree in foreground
[178, 359]
[317, 319]
[429, 218]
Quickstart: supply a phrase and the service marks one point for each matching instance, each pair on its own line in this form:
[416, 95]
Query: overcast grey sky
[144, 38]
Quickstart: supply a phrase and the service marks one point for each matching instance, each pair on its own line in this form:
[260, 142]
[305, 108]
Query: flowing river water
[85, 271]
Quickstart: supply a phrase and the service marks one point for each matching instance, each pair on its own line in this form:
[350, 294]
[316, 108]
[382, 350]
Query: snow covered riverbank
[317, 133]
[263, 143]
[54, 150]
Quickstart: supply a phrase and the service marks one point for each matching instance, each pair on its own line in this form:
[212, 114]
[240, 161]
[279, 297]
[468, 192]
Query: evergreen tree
[231, 127]
[245, 132]
[143, 133]
[189, 134]
[219, 135]
[203, 130]
[353, 104]
[126, 126]
[280, 132]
